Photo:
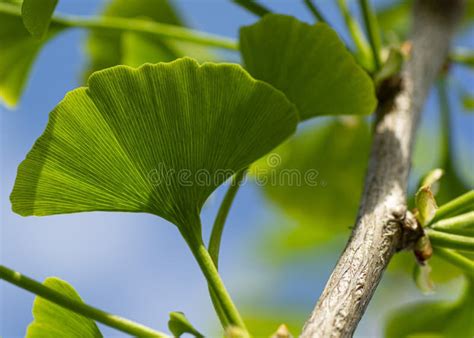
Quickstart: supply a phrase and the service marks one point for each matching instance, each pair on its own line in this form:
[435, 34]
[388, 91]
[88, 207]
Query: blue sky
[137, 265]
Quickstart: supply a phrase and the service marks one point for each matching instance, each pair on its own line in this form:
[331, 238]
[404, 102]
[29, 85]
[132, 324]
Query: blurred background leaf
[37, 15]
[325, 207]
[108, 48]
[437, 318]
[19, 50]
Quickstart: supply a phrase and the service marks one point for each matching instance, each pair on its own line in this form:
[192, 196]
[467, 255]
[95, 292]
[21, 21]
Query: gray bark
[383, 225]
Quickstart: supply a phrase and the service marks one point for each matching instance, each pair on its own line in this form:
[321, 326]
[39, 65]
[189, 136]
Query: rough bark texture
[382, 222]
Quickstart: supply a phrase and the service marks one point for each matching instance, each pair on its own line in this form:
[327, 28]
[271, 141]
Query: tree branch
[383, 220]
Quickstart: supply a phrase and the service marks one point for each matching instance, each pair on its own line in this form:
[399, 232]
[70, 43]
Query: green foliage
[326, 205]
[439, 318]
[19, 50]
[394, 20]
[309, 64]
[107, 48]
[425, 204]
[179, 324]
[51, 320]
[36, 16]
[266, 321]
[468, 103]
[124, 142]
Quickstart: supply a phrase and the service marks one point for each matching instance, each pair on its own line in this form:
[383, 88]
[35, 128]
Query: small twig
[382, 219]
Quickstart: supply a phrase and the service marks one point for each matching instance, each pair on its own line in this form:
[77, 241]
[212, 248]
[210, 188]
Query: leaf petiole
[315, 11]
[135, 25]
[462, 224]
[456, 259]
[456, 206]
[372, 28]
[363, 50]
[85, 310]
[215, 282]
[216, 234]
[450, 241]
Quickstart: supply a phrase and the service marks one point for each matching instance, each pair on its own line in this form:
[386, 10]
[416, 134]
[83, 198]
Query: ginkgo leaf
[37, 15]
[179, 324]
[110, 48]
[156, 139]
[51, 320]
[434, 319]
[312, 186]
[309, 64]
[19, 50]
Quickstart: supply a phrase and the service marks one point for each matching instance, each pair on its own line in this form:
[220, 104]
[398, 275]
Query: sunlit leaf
[179, 324]
[109, 48]
[316, 180]
[436, 318]
[19, 50]
[156, 139]
[309, 64]
[36, 16]
[51, 320]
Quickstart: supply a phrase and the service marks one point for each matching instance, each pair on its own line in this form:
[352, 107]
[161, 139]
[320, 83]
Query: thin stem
[456, 259]
[216, 284]
[372, 29]
[80, 308]
[364, 55]
[450, 241]
[135, 25]
[216, 235]
[458, 205]
[219, 222]
[253, 7]
[315, 11]
[462, 224]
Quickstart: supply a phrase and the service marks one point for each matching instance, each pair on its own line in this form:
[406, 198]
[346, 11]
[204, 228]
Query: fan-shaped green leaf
[51, 320]
[37, 15]
[309, 64]
[156, 139]
[318, 179]
[110, 48]
[19, 50]
[440, 319]
[179, 324]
